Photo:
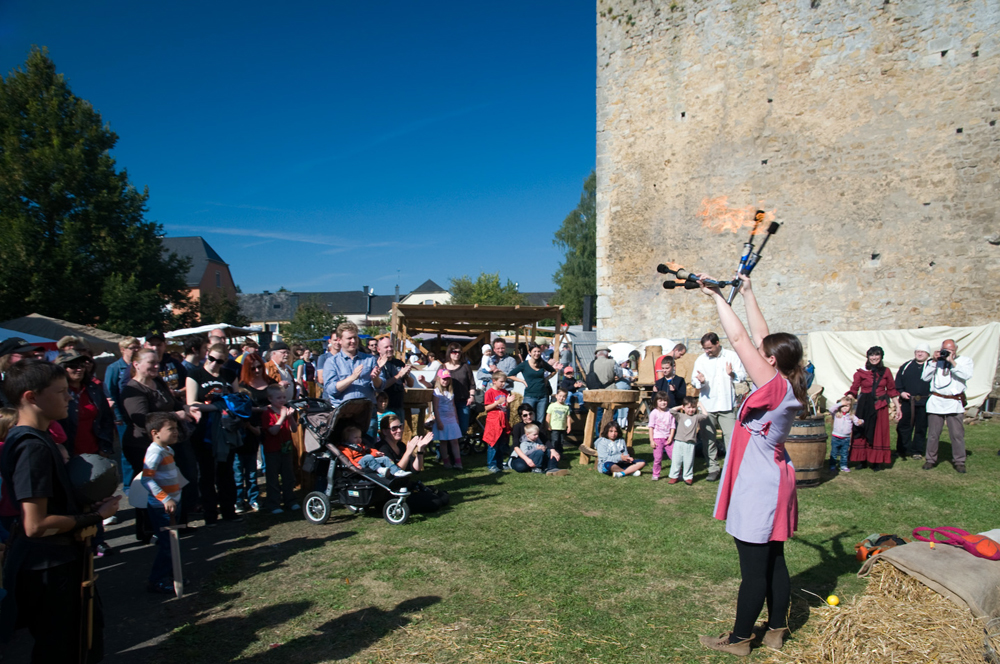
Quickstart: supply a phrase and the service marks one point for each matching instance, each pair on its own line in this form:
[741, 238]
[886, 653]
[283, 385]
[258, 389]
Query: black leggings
[765, 577]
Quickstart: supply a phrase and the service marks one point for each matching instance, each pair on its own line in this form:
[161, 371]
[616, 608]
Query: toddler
[612, 454]
[278, 422]
[533, 456]
[685, 439]
[559, 419]
[366, 458]
[496, 433]
[840, 441]
[164, 482]
[661, 429]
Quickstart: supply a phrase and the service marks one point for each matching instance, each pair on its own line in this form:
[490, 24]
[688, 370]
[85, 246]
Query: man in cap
[948, 374]
[911, 432]
[601, 375]
[279, 370]
[566, 355]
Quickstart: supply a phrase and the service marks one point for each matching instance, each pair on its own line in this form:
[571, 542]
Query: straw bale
[896, 619]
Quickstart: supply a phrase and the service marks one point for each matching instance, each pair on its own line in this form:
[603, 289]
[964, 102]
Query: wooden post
[394, 331]
[558, 336]
[534, 331]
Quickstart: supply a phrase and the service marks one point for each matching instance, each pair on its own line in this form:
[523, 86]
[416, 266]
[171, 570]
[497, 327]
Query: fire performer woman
[757, 496]
[873, 387]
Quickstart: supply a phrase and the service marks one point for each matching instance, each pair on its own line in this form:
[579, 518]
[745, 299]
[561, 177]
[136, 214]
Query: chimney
[588, 313]
[397, 292]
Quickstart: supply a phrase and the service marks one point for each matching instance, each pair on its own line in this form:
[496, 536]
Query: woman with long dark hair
[254, 381]
[757, 490]
[873, 387]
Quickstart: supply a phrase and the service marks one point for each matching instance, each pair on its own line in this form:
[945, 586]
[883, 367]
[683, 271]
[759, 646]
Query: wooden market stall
[478, 322]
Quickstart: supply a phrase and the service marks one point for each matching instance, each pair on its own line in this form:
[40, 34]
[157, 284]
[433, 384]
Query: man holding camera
[948, 374]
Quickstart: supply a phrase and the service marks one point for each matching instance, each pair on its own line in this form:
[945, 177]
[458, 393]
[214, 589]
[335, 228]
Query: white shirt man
[715, 372]
[948, 373]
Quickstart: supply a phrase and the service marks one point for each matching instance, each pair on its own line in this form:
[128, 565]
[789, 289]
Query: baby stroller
[337, 480]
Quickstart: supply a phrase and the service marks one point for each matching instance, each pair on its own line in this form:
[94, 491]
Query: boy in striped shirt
[164, 483]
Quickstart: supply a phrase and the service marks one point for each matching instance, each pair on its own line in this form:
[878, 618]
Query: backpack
[978, 545]
[875, 544]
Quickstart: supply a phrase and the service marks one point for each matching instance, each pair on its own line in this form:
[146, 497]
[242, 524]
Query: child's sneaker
[446, 463]
[617, 473]
[402, 473]
[277, 510]
[161, 588]
[382, 472]
[655, 478]
[637, 473]
[673, 480]
[458, 466]
[845, 469]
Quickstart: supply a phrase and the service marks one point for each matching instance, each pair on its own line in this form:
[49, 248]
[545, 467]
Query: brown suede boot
[772, 638]
[721, 643]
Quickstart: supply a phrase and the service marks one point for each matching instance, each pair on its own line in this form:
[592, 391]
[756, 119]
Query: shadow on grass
[836, 559]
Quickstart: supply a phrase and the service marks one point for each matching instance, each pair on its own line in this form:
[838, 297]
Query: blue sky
[328, 145]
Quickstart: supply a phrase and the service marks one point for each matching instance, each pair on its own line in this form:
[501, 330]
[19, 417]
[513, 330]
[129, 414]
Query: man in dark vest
[911, 432]
[601, 375]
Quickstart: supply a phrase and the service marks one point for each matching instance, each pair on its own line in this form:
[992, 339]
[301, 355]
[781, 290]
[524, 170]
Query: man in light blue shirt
[350, 374]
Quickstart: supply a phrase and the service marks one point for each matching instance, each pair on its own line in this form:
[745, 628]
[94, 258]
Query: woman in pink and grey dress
[757, 492]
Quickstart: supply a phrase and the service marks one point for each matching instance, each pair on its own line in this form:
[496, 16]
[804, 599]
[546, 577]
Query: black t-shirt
[676, 395]
[461, 383]
[518, 430]
[387, 450]
[395, 391]
[29, 459]
[209, 386]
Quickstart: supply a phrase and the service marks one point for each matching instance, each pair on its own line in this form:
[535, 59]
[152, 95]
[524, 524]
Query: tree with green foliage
[311, 323]
[486, 289]
[75, 242]
[577, 237]
[220, 308]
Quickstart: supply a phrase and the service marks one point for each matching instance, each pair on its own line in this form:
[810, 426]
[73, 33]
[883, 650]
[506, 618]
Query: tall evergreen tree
[577, 237]
[75, 242]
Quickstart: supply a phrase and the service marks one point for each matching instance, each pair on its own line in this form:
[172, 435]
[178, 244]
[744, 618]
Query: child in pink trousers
[662, 426]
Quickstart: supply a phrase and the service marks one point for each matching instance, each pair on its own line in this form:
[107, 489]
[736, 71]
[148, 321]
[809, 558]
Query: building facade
[868, 128]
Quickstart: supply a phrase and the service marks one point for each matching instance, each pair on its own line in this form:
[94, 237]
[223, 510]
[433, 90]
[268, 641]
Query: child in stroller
[367, 458]
[336, 478]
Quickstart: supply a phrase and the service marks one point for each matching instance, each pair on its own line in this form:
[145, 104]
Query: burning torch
[685, 279]
[751, 256]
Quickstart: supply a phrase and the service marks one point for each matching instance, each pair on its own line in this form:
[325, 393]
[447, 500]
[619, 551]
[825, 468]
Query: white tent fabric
[619, 352]
[666, 345]
[837, 355]
[230, 330]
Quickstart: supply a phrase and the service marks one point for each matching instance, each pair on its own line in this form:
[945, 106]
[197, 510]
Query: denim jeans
[839, 448]
[127, 471]
[463, 418]
[163, 569]
[245, 475]
[497, 453]
[542, 458]
[539, 405]
[373, 463]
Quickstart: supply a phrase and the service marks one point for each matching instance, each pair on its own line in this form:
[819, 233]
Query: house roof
[428, 287]
[199, 251]
[538, 299]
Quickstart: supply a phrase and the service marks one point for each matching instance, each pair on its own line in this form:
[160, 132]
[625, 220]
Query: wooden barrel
[806, 447]
[611, 396]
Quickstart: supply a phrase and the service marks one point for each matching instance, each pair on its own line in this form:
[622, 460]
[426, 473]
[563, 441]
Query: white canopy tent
[230, 330]
[837, 355]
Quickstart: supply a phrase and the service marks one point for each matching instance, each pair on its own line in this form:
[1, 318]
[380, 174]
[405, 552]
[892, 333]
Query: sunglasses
[395, 428]
[212, 358]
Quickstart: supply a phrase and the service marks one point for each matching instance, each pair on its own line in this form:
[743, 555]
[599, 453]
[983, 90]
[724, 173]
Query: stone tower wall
[868, 126]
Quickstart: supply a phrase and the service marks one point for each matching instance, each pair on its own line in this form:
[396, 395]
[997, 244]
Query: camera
[943, 353]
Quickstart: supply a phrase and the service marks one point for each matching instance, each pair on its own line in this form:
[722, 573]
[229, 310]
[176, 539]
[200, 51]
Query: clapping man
[715, 374]
[350, 374]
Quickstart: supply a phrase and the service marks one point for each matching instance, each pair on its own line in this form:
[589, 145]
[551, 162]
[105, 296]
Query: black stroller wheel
[316, 508]
[396, 512]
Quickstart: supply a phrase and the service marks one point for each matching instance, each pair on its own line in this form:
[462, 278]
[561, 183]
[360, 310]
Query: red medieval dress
[870, 441]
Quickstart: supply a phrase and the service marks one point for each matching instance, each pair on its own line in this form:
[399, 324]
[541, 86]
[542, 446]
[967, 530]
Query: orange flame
[718, 217]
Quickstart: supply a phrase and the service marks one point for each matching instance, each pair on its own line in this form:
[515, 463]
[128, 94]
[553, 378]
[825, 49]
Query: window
[218, 279]
[272, 327]
[277, 306]
[428, 301]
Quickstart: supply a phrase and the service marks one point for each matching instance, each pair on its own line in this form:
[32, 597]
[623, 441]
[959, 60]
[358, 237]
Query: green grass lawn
[529, 568]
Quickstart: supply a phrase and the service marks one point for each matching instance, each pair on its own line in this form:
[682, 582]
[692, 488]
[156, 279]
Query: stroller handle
[304, 403]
